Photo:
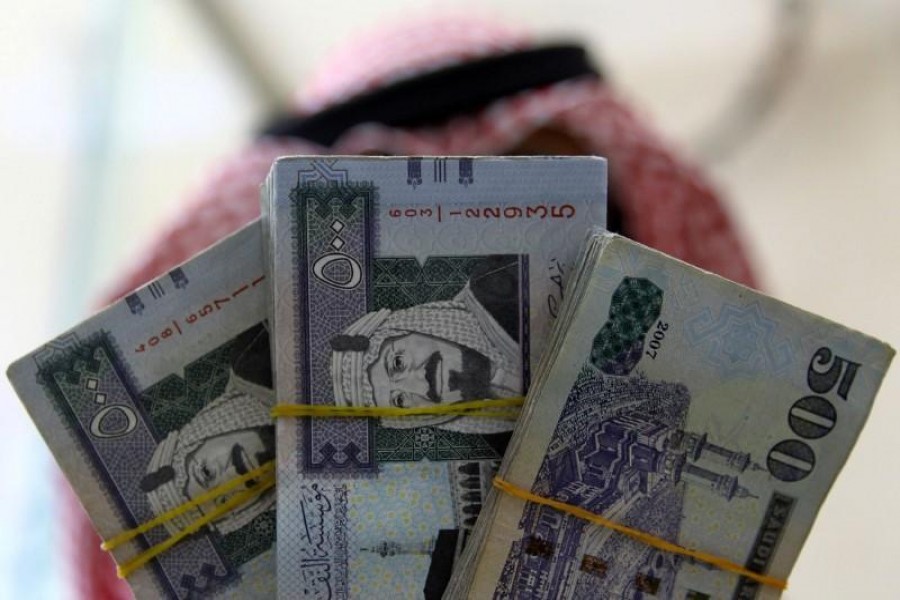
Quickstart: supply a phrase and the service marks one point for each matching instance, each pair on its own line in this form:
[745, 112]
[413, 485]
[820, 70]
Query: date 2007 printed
[659, 334]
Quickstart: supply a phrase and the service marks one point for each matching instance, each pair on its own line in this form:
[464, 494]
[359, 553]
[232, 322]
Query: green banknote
[156, 400]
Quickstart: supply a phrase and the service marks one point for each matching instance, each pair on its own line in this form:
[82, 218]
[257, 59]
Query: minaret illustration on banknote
[633, 447]
[629, 458]
[631, 467]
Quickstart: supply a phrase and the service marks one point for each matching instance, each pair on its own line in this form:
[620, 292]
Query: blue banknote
[403, 282]
[681, 405]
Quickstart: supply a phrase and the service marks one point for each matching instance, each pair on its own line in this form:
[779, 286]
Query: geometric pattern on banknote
[403, 282]
[681, 287]
[583, 467]
[257, 580]
[433, 443]
[81, 378]
[174, 400]
[684, 292]
[322, 170]
[51, 351]
[395, 522]
[204, 583]
[635, 306]
[87, 377]
[249, 541]
[329, 215]
[740, 340]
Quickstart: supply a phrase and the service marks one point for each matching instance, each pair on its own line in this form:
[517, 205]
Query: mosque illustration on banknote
[628, 458]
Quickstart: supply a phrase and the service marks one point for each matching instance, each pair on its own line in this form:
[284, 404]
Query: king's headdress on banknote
[229, 437]
[432, 353]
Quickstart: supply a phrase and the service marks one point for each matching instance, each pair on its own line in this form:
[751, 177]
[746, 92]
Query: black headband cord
[435, 97]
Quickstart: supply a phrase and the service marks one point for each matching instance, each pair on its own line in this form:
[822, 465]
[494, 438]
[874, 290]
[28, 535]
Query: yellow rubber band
[179, 510]
[651, 540]
[503, 408]
[146, 556]
[472, 408]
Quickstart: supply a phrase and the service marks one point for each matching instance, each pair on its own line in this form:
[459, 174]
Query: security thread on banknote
[406, 282]
[158, 399]
[681, 405]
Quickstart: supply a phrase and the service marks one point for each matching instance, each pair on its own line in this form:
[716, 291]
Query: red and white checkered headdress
[665, 202]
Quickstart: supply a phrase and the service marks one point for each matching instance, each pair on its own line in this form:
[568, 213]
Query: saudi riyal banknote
[682, 405]
[155, 400]
[401, 282]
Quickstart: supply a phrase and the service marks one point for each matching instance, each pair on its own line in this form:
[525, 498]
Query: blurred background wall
[111, 110]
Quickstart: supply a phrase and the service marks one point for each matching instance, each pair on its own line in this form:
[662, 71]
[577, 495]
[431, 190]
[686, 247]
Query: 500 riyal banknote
[681, 405]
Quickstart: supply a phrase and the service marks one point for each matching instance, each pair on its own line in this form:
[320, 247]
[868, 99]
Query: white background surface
[110, 111]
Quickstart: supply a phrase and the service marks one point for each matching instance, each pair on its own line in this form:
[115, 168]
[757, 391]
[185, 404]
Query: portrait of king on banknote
[464, 345]
[229, 437]
[464, 348]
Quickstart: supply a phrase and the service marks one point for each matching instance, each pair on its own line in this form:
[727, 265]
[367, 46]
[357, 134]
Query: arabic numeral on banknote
[328, 267]
[113, 422]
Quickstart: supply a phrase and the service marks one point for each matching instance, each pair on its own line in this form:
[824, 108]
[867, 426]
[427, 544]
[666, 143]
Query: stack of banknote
[680, 405]
[401, 282]
[658, 396]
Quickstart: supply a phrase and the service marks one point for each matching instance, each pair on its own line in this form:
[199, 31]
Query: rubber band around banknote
[264, 472]
[505, 408]
[179, 510]
[127, 568]
[497, 408]
[649, 539]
